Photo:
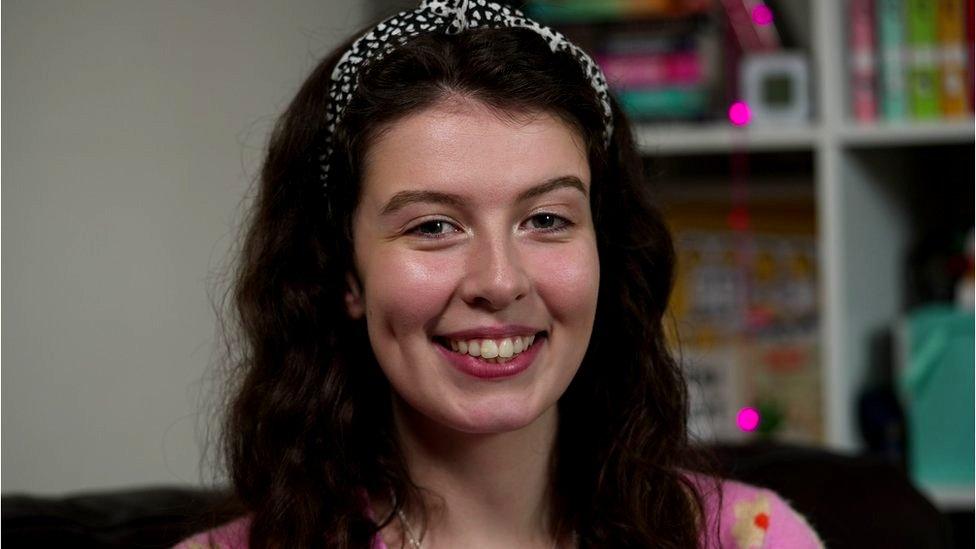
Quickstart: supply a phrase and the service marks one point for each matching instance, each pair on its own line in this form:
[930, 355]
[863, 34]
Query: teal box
[938, 386]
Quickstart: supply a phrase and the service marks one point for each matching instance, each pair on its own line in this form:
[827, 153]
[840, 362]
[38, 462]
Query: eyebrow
[404, 198]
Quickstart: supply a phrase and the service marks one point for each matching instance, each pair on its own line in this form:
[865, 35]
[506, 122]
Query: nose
[495, 276]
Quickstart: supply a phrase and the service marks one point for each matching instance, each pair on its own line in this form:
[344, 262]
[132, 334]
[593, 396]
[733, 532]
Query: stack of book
[658, 55]
[910, 59]
[659, 77]
[667, 60]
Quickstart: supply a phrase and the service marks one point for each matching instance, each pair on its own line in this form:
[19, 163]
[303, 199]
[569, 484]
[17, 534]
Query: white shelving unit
[942, 133]
[863, 228]
[864, 225]
[689, 139]
[863, 216]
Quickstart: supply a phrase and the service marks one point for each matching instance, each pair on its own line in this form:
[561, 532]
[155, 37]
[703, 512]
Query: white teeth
[489, 349]
[505, 349]
[492, 350]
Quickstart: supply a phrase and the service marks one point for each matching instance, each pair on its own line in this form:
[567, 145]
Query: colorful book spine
[971, 40]
[749, 34]
[864, 101]
[574, 11]
[624, 43]
[952, 58]
[890, 19]
[763, 24]
[923, 70]
[651, 70]
[672, 103]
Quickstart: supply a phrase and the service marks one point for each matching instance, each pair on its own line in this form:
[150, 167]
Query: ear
[354, 297]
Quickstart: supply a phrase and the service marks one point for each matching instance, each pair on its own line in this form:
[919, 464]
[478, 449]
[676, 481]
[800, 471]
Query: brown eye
[433, 229]
[548, 222]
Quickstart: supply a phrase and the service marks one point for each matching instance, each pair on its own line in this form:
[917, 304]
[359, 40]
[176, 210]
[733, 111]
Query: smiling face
[473, 237]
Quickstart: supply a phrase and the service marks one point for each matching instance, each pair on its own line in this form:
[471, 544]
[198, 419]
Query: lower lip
[480, 369]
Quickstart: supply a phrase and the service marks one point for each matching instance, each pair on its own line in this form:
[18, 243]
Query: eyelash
[565, 225]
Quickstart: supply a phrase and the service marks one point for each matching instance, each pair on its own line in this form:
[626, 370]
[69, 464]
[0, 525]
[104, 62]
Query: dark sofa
[851, 501]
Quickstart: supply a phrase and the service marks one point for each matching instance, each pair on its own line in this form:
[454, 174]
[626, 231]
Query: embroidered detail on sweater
[751, 522]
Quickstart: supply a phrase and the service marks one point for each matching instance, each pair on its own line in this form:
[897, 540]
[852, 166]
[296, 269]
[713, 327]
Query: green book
[665, 103]
[890, 18]
[923, 59]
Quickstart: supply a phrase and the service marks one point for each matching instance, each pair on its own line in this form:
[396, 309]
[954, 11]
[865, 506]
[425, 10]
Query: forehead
[463, 146]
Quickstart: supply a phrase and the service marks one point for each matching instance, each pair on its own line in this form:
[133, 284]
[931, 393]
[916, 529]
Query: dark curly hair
[307, 441]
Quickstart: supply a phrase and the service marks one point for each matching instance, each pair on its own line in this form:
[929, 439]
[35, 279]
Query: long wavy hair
[308, 437]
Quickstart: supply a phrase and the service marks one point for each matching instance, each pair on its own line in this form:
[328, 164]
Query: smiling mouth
[493, 351]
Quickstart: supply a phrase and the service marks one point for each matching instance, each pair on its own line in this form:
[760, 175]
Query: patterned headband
[449, 17]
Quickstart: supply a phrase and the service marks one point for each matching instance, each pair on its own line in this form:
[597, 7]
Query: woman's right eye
[435, 228]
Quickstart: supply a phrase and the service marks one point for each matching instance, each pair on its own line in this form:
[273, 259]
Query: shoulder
[233, 535]
[743, 516]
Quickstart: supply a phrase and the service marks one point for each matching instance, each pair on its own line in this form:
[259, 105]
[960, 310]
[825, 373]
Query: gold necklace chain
[415, 542]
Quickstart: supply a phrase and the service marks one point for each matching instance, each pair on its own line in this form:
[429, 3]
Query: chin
[493, 418]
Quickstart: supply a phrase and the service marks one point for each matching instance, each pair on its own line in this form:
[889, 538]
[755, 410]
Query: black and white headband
[449, 17]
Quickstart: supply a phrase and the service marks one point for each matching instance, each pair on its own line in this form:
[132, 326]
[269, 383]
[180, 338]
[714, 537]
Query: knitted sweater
[744, 517]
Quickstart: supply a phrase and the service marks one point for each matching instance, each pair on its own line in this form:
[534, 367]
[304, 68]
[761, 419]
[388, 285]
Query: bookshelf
[862, 181]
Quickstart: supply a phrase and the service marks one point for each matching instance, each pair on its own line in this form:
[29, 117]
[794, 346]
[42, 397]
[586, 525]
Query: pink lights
[762, 15]
[739, 113]
[748, 419]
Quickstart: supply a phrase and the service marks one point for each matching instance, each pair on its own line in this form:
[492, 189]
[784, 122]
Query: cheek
[405, 289]
[568, 280]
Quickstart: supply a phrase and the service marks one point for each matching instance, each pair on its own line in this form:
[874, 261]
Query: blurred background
[132, 132]
[815, 159]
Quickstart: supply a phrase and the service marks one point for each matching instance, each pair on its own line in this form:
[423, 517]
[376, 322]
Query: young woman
[450, 300]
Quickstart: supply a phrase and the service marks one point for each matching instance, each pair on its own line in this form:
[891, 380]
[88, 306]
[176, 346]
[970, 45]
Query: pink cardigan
[749, 518]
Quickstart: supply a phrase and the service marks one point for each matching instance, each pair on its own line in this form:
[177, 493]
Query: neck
[481, 490]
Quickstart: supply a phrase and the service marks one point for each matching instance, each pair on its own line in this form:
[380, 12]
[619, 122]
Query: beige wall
[131, 130]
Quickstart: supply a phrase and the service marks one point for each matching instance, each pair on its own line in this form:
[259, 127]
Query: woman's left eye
[548, 222]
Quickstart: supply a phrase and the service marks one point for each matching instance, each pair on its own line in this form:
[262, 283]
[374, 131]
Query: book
[651, 70]
[890, 21]
[860, 21]
[950, 29]
[971, 40]
[668, 103]
[763, 22]
[749, 35]
[588, 11]
[923, 68]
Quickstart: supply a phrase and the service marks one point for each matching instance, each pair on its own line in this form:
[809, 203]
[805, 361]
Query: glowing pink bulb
[748, 419]
[762, 15]
[739, 113]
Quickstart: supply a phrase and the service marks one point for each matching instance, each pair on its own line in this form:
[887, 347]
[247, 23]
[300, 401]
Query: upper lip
[493, 332]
